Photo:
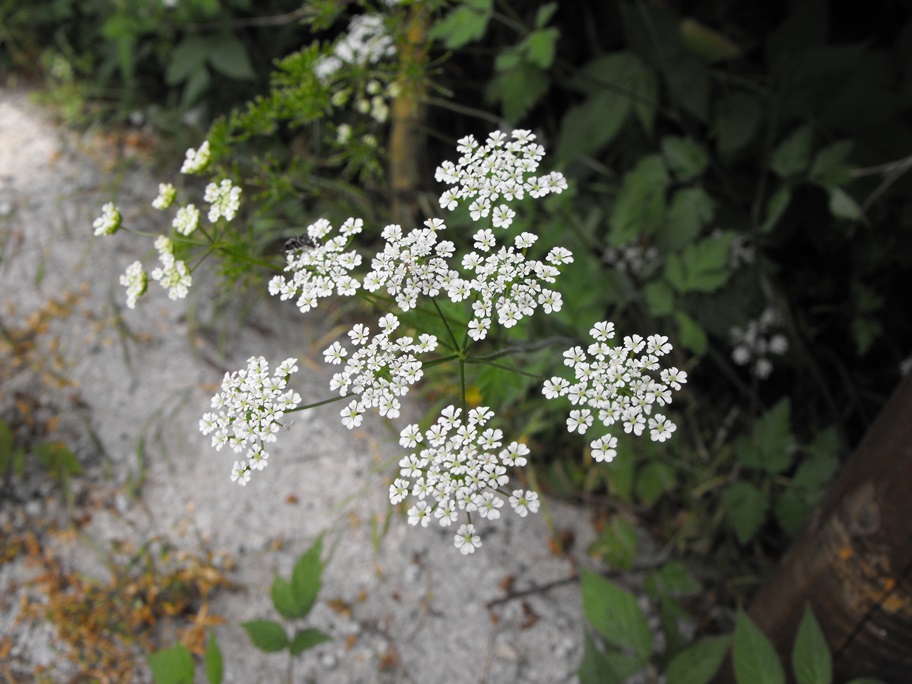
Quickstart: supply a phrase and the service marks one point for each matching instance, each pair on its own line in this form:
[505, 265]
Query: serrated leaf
[842, 206]
[793, 155]
[653, 480]
[708, 44]
[229, 57]
[812, 662]
[519, 88]
[625, 75]
[691, 334]
[736, 121]
[689, 211]
[539, 47]
[672, 579]
[463, 25]
[699, 662]
[747, 507]
[791, 510]
[213, 661]
[306, 577]
[172, 665]
[639, 208]
[685, 157]
[830, 168]
[701, 266]
[772, 439]
[775, 208]
[754, 658]
[614, 613]
[591, 125]
[266, 635]
[305, 639]
[659, 298]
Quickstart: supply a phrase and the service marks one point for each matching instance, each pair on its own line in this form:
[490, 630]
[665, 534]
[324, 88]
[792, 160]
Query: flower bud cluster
[246, 413]
[754, 344]
[460, 468]
[496, 172]
[614, 385]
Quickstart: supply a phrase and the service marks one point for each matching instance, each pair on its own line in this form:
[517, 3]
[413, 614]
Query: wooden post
[852, 561]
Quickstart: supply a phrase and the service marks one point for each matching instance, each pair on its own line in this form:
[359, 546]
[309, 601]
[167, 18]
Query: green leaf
[689, 84]
[172, 665]
[544, 14]
[519, 88]
[595, 667]
[830, 168]
[620, 479]
[626, 76]
[653, 481]
[306, 577]
[842, 206]
[747, 507]
[284, 601]
[708, 44]
[771, 444]
[591, 125]
[659, 298]
[539, 47]
[699, 662]
[228, 56]
[754, 657]
[213, 661]
[690, 209]
[614, 613]
[266, 635]
[463, 25]
[775, 208]
[196, 85]
[811, 659]
[793, 155]
[702, 266]
[617, 543]
[691, 334]
[188, 57]
[639, 208]
[672, 579]
[305, 639]
[685, 157]
[736, 122]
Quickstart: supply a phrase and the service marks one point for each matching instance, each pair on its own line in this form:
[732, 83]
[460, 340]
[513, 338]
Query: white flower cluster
[225, 200]
[135, 280]
[108, 222]
[379, 372]
[632, 258]
[613, 385]
[249, 409]
[318, 270]
[497, 171]
[366, 42]
[196, 161]
[462, 467]
[754, 344]
[173, 274]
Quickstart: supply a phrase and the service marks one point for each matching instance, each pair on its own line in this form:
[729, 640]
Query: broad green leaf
[792, 510]
[690, 209]
[213, 661]
[228, 56]
[620, 479]
[793, 155]
[544, 14]
[614, 613]
[685, 157]
[591, 125]
[266, 635]
[306, 577]
[747, 507]
[653, 480]
[617, 543]
[830, 168]
[305, 639]
[539, 47]
[754, 657]
[519, 88]
[466, 24]
[865, 330]
[816, 471]
[775, 208]
[659, 298]
[842, 206]
[772, 439]
[595, 667]
[284, 601]
[639, 208]
[628, 77]
[701, 266]
[698, 663]
[825, 445]
[187, 58]
[689, 84]
[672, 579]
[736, 121]
[691, 334]
[196, 85]
[709, 45]
[811, 659]
[172, 666]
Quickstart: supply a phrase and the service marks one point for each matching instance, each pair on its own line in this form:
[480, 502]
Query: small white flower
[109, 221]
[225, 200]
[187, 220]
[196, 160]
[166, 195]
[466, 540]
[135, 280]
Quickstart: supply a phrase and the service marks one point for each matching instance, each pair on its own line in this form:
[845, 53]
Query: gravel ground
[417, 609]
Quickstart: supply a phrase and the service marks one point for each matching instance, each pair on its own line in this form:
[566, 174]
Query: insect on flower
[299, 243]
